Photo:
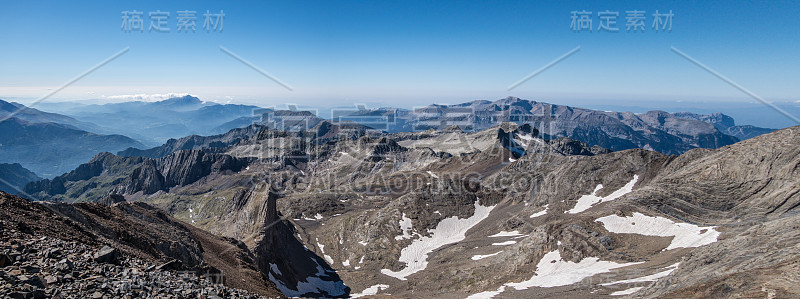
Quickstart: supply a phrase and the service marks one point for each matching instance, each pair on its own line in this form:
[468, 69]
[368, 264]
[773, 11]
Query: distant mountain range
[655, 130]
[49, 149]
[17, 110]
[50, 144]
[153, 123]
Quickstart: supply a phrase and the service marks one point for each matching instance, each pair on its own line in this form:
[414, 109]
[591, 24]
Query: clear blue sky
[402, 53]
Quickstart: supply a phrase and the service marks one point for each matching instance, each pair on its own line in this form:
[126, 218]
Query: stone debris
[42, 267]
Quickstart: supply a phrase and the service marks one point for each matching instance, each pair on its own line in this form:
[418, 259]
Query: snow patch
[319, 283]
[685, 235]
[275, 269]
[346, 263]
[525, 137]
[363, 243]
[487, 294]
[505, 243]
[552, 271]
[540, 213]
[433, 174]
[587, 201]
[448, 231]
[626, 292]
[647, 278]
[373, 290]
[480, 257]
[405, 226]
[506, 234]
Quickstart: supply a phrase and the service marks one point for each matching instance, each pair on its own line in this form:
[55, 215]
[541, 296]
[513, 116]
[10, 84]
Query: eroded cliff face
[109, 174]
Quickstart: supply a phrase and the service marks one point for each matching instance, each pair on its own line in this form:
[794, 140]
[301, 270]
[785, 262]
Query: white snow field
[552, 271]
[373, 290]
[587, 201]
[448, 231]
[685, 235]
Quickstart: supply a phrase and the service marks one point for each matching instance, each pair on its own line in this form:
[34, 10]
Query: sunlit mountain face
[415, 149]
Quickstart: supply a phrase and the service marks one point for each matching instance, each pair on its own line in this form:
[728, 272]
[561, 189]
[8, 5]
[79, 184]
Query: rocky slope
[127, 249]
[500, 212]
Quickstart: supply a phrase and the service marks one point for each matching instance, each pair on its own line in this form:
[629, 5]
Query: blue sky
[402, 53]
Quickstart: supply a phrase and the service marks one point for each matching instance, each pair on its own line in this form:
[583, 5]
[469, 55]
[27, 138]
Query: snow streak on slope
[647, 278]
[405, 226]
[448, 231]
[506, 234]
[686, 235]
[373, 290]
[540, 213]
[480, 257]
[626, 292]
[487, 294]
[505, 243]
[587, 201]
[552, 271]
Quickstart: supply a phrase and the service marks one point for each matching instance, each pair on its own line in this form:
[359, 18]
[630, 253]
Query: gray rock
[106, 255]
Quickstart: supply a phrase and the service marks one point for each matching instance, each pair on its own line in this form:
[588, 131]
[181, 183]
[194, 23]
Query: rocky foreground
[46, 255]
[47, 267]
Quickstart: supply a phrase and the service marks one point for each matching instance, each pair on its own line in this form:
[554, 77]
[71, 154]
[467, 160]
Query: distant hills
[153, 123]
[49, 149]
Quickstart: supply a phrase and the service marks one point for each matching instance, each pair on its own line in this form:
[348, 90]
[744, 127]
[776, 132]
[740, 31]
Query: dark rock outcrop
[14, 177]
[111, 199]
